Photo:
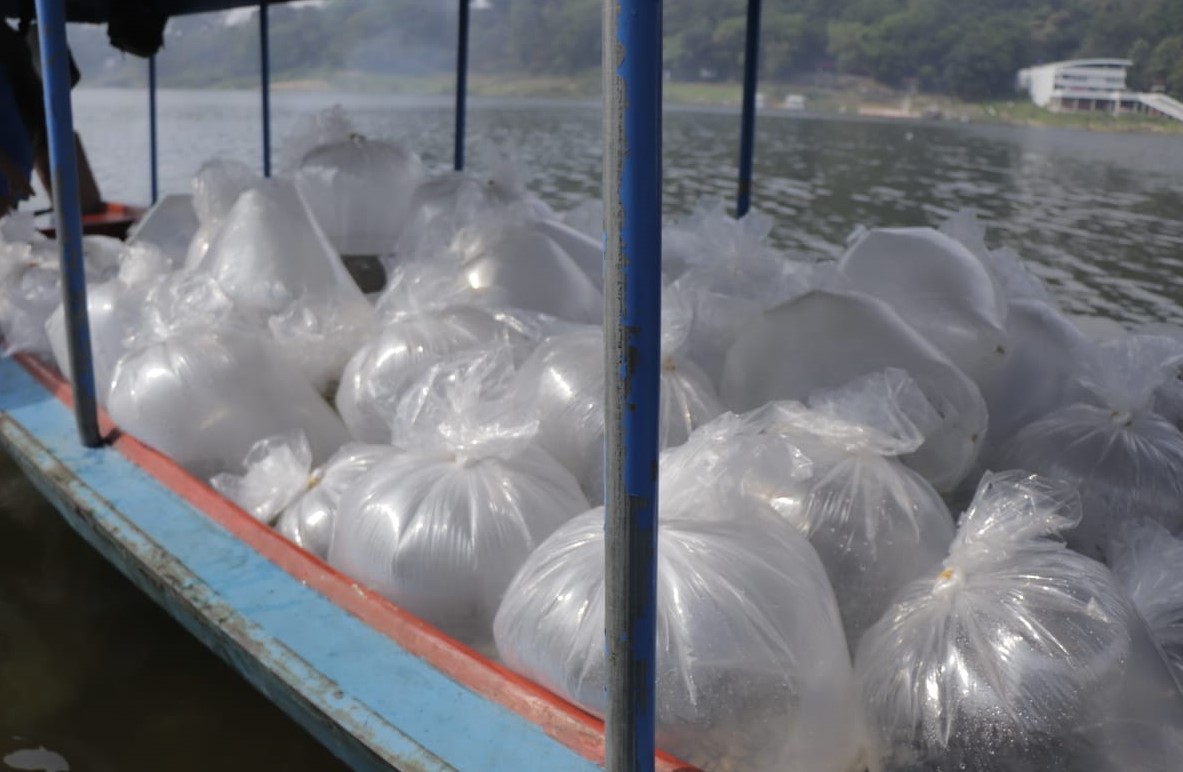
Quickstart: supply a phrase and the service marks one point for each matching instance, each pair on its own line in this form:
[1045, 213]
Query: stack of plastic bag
[361, 192]
[832, 471]
[216, 189]
[202, 390]
[752, 669]
[1018, 654]
[730, 276]
[441, 527]
[1123, 458]
[565, 379]
[113, 312]
[1148, 564]
[823, 340]
[274, 263]
[939, 287]
[1011, 276]
[31, 288]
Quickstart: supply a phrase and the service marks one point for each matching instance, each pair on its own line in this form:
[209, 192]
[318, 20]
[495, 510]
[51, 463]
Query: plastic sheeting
[441, 528]
[823, 340]
[360, 192]
[1018, 654]
[752, 668]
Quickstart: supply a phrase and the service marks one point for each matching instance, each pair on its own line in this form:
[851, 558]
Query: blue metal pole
[461, 84]
[747, 132]
[265, 84]
[55, 69]
[152, 147]
[632, 341]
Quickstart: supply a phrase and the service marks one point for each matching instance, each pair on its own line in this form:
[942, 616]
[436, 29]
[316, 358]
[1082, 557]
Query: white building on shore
[1080, 84]
[1092, 84]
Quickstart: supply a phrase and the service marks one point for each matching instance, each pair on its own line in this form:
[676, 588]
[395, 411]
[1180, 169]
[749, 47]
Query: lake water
[92, 670]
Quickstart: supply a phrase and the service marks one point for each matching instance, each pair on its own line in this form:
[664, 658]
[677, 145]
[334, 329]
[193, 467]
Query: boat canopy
[102, 11]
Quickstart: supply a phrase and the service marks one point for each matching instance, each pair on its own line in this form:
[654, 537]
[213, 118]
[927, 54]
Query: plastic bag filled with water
[216, 188]
[1018, 654]
[441, 527]
[31, 288]
[939, 288]
[203, 389]
[1122, 457]
[277, 471]
[381, 371]
[565, 379]
[274, 262]
[831, 470]
[824, 340]
[360, 191]
[752, 669]
[307, 521]
[1148, 563]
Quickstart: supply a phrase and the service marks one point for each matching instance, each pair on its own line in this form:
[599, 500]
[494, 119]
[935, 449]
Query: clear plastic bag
[442, 206]
[565, 379]
[824, 340]
[1148, 563]
[832, 471]
[272, 260]
[202, 390]
[360, 192]
[710, 237]
[939, 288]
[308, 521]
[381, 371]
[1039, 374]
[441, 528]
[1011, 275]
[216, 189]
[516, 254]
[1018, 654]
[325, 127]
[278, 470]
[113, 313]
[1123, 458]
[31, 288]
[752, 669]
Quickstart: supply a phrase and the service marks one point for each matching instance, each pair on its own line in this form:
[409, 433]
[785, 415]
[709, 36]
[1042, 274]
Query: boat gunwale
[559, 719]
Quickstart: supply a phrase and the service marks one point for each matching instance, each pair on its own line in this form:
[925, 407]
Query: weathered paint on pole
[747, 132]
[63, 161]
[632, 337]
[461, 85]
[152, 147]
[265, 82]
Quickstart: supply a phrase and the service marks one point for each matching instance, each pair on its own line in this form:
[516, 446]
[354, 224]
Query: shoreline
[853, 98]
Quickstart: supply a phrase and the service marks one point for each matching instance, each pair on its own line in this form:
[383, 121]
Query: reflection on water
[92, 670]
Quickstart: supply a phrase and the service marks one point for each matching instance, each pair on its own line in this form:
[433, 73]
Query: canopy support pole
[152, 146]
[265, 82]
[747, 132]
[63, 163]
[633, 71]
[461, 85]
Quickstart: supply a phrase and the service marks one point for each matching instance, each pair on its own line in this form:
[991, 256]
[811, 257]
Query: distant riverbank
[853, 96]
